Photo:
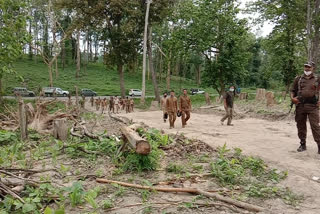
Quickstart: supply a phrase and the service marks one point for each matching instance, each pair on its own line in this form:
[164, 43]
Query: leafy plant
[76, 193]
[175, 168]
[7, 137]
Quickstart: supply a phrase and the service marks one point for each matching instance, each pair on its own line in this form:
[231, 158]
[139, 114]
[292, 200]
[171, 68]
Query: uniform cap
[307, 65]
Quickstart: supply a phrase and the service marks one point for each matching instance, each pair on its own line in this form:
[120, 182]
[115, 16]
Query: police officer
[163, 107]
[185, 107]
[172, 109]
[228, 106]
[305, 94]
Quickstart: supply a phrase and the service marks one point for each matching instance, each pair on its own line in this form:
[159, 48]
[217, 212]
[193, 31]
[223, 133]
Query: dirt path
[275, 142]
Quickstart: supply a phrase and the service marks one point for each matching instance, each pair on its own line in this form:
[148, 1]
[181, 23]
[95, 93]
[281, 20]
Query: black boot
[303, 146]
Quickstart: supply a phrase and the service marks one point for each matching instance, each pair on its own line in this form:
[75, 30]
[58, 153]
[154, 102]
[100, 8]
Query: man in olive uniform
[228, 106]
[185, 107]
[163, 107]
[305, 94]
[172, 108]
[127, 102]
[111, 104]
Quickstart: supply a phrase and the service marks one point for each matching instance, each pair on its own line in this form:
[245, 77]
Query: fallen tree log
[140, 145]
[216, 196]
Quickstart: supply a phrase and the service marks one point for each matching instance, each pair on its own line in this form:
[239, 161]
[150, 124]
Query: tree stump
[154, 106]
[60, 129]
[243, 96]
[261, 94]
[208, 101]
[270, 98]
[23, 120]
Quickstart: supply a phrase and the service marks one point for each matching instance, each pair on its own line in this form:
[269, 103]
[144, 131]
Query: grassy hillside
[97, 77]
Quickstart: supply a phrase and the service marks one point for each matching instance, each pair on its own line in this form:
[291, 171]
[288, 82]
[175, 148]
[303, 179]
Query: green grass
[105, 81]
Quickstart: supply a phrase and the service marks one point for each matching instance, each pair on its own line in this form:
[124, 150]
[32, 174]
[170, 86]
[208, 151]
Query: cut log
[140, 145]
[270, 98]
[261, 94]
[23, 120]
[60, 129]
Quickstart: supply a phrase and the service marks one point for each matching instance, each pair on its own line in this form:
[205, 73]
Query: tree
[144, 65]
[13, 35]
[286, 40]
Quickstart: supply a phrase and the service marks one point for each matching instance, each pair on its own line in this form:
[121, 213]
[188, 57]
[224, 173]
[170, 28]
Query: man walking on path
[116, 104]
[185, 107]
[172, 108]
[228, 106]
[305, 95]
[163, 107]
[111, 105]
[131, 104]
[127, 101]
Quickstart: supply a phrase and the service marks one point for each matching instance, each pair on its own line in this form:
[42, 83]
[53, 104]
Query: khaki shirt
[172, 104]
[163, 103]
[308, 86]
[185, 103]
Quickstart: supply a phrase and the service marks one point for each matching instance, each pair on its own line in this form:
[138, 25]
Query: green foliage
[7, 137]
[175, 168]
[252, 174]
[34, 199]
[12, 33]
[76, 193]
[137, 162]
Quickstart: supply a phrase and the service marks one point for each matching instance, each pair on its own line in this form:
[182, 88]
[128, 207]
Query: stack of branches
[8, 120]
[38, 118]
[15, 180]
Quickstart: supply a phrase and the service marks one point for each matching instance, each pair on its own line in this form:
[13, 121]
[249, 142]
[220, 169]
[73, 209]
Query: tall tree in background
[13, 35]
[313, 30]
[286, 40]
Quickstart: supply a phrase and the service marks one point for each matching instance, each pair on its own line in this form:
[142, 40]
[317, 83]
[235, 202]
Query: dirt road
[275, 142]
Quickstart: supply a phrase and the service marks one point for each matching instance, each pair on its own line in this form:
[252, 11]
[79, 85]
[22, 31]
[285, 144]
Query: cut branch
[216, 196]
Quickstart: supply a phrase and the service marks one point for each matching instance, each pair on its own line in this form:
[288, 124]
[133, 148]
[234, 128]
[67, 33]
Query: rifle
[291, 106]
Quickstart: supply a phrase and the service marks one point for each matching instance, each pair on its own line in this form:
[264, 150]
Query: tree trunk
[199, 75]
[140, 145]
[121, 75]
[315, 52]
[77, 96]
[169, 72]
[309, 24]
[144, 66]
[60, 129]
[23, 120]
[78, 55]
[30, 43]
[151, 68]
[50, 74]
[63, 55]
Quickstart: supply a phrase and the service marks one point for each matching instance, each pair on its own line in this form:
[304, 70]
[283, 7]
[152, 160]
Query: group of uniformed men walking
[114, 104]
[304, 94]
[172, 108]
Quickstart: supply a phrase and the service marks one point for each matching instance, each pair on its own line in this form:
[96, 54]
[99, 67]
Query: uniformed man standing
[228, 106]
[131, 104]
[127, 101]
[185, 107]
[172, 108]
[163, 107]
[305, 94]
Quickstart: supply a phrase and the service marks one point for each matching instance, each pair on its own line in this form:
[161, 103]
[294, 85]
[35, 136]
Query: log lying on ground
[216, 196]
[140, 145]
